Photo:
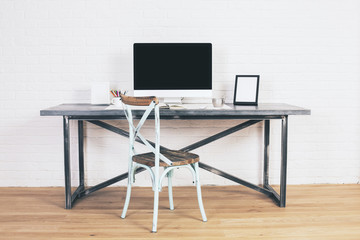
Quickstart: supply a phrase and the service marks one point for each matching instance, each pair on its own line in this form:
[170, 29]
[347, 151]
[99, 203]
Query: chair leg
[156, 208]
[198, 188]
[171, 201]
[128, 193]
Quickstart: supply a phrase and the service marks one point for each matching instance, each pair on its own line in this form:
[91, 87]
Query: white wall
[306, 51]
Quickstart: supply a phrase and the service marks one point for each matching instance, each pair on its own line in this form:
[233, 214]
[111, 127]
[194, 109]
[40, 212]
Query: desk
[254, 114]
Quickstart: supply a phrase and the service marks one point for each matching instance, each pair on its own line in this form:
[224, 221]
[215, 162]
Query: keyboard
[184, 106]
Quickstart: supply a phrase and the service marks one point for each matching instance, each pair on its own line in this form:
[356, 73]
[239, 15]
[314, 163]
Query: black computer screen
[172, 66]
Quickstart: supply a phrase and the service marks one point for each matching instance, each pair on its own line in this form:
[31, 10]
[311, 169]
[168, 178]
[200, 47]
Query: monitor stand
[173, 100]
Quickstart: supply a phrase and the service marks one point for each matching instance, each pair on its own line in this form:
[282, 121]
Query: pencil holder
[116, 101]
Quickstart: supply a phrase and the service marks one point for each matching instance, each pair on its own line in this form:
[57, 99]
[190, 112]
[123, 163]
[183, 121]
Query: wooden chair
[169, 159]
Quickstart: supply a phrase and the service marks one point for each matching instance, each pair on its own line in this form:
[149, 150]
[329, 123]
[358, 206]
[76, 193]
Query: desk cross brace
[279, 199]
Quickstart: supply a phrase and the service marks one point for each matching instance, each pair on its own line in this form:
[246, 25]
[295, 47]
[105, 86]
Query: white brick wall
[307, 53]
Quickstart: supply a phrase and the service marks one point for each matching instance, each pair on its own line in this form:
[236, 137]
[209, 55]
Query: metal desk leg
[266, 152]
[81, 152]
[284, 136]
[68, 201]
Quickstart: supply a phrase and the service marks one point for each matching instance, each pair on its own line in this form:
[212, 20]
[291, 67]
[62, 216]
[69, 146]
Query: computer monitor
[173, 70]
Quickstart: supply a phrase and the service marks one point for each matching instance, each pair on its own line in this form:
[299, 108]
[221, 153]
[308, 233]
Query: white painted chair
[169, 159]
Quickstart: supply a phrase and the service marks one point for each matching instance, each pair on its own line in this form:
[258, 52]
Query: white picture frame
[100, 93]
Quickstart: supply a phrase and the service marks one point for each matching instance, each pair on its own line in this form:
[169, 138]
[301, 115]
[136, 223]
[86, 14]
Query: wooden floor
[313, 212]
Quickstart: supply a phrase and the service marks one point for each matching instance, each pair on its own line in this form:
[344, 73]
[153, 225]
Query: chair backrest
[134, 131]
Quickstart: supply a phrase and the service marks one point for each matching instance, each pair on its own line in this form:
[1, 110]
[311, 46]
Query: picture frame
[246, 90]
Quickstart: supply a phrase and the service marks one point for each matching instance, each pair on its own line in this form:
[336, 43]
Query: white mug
[116, 101]
[218, 102]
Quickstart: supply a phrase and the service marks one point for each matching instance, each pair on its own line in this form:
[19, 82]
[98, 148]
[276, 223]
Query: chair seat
[177, 157]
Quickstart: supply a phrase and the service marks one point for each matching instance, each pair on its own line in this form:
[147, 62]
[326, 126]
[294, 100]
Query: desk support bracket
[279, 199]
[266, 189]
[71, 198]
